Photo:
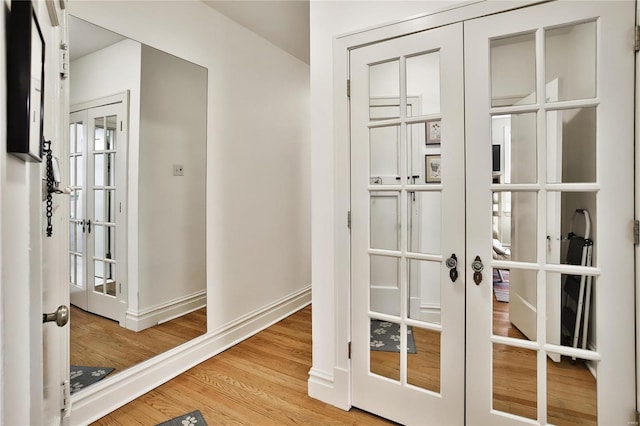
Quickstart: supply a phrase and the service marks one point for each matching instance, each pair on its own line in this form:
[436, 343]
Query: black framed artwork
[25, 83]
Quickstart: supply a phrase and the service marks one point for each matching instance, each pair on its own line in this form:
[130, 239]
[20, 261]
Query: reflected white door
[97, 161]
[409, 174]
[546, 70]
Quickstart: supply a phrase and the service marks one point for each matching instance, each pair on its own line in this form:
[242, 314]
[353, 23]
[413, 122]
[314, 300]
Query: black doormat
[82, 376]
[193, 418]
[385, 336]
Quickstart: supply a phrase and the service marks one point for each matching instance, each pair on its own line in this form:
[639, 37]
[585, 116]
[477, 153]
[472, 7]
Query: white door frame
[337, 389]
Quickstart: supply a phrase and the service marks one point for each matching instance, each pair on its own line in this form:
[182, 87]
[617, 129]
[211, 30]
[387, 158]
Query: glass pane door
[544, 110]
[407, 139]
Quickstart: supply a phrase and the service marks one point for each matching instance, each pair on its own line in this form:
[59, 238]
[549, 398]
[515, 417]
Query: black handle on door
[452, 264]
[89, 226]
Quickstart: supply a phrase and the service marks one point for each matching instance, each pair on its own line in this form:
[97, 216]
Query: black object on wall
[25, 83]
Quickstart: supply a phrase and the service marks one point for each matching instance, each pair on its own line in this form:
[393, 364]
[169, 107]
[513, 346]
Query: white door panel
[423, 188]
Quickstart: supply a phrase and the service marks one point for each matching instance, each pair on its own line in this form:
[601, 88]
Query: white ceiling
[85, 38]
[284, 23]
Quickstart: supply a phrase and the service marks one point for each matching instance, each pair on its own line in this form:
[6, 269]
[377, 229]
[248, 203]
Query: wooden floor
[100, 342]
[263, 381]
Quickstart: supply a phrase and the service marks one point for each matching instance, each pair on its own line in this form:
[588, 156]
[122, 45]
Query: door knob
[60, 316]
[452, 264]
[477, 267]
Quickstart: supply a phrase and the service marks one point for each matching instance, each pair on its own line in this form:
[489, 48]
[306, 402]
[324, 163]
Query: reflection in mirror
[385, 220]
[384, 287]
[515, 381]
[423, 364]
[384, 352]
[384, 90]
[513, 70]
[572, 396]
[424, 290]
[423, 84]
[514, 148]
[571, 145]
[159, 301]
[570, 58]
[384, 155]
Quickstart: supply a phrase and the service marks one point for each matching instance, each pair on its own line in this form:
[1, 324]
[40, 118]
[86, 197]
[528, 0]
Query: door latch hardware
[477, 268]
[452, 264]
[60, 316]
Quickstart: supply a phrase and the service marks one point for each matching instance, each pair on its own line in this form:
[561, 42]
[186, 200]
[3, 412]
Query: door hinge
[119, 288]
[637, 38]
[349, 85]
[66, 398]
[64, 61]
[121, 126]
[637, 422]
[636, 232]
[349, 350]
[349, 219]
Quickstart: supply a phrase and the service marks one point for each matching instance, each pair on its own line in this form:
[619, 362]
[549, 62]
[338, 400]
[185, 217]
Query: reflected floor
[571, 388]
[98, 341]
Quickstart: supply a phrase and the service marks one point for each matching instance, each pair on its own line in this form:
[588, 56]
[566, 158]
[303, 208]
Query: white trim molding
[140, 320]
[113, 392]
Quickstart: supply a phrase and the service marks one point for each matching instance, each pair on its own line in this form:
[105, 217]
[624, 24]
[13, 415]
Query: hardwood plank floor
[98, 341]
[261, 381]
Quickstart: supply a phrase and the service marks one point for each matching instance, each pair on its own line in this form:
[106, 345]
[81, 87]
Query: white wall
[258, 211]
[329, 19]
[173, 116]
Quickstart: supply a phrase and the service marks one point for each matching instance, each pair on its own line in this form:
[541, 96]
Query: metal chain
[47, 149]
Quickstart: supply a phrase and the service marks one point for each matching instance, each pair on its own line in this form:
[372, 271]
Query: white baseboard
[331, 389]
[113, 392]
[140, 320]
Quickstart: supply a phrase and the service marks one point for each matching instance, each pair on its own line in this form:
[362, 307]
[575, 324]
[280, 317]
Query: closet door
[551, 86]
[407, 191]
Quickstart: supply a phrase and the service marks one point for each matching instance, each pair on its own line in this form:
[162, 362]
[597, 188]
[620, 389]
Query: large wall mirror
[136, 158]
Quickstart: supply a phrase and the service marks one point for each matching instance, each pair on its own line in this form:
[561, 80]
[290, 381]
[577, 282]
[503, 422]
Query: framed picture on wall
[433, 132]
[25, 93]
[432, 169]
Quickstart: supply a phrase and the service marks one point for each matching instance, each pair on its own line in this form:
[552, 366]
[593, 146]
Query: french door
[96, 244]
[474, 147]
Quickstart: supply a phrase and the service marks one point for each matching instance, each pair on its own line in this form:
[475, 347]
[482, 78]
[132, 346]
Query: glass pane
[384, 152]
[98, 202]
[98, 136]
[98, 238]
[110, 172]
[72, 269]
[385, 224]
[570, 62]
[571, 145]
[72, 236]
[72, 171]
[79, 137]
[98, 169]
[571, 311]
[110, 208]
[513, 70]
[98, 276]
[79, 238]
[110, 282]
[385, 349]
[514, 226]
[80, 270]
[72, 138]
[570, 231]
[571, 393]
[515, 381]
[111, 132]
[79, 201]
[425, 222]
[515, 300]
[423, 364]
[514, 148]
[423, 84]
[79, 170]
[424, 290]
[423, 140]
[384, 90]
[72, 204]
[384, 288]
[111, 242]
